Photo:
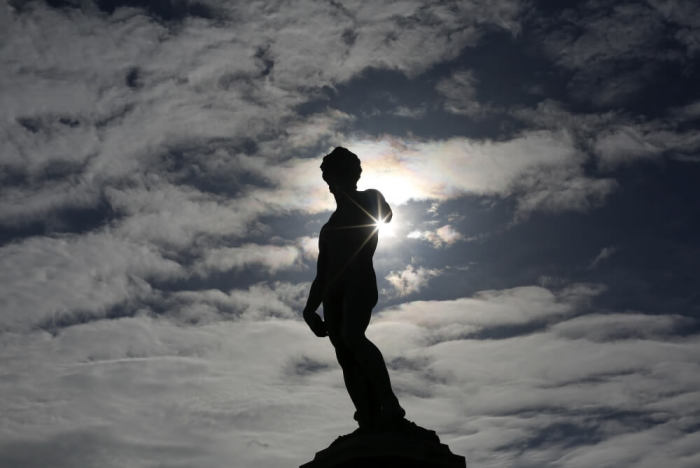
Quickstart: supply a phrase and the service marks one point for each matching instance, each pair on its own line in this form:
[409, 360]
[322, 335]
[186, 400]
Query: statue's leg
[355, 382]
[357, 386]
[356, 314]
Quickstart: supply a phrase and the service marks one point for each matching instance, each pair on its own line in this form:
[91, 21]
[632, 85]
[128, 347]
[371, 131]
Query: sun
[386, 229]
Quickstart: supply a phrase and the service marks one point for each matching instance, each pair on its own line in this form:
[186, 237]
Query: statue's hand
[315, 323]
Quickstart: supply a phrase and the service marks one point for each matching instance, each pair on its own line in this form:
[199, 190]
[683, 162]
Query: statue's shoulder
[373, 194]
[330, 224]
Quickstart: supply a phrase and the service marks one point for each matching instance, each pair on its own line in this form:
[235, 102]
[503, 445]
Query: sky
[161, 198]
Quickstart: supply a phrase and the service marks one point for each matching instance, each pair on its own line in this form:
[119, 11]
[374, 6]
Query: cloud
[605, 253]
[691, 110]
[615, 327]
[152, 152]
[209, 87]
[410, 112]
[626, 144]
[623, 145]
[398, 35]
[260, 301]
[459, 91]
[271, 257]
[203, 93]
[309, 247]
[616, 51]
[617, 140]
[46, 202]
[536, 395]
[266, 391]
[411, 279]
[176, 215]
[152, 389]
[621, 44]
[62, 280]
[440, 237]
[464, 317]
[683, 14]
[543, 170]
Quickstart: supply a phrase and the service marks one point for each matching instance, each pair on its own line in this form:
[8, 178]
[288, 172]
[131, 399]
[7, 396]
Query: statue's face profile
[337, 183]
[341, 169]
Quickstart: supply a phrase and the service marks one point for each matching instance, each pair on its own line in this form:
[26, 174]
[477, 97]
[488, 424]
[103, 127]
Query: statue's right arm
[316, 295]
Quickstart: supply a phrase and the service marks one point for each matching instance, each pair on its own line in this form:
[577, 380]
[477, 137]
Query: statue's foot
[360, 431]
[411, 429]
[390, 416]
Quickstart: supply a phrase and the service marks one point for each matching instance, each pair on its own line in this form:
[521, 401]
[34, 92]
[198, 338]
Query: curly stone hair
[342, 164]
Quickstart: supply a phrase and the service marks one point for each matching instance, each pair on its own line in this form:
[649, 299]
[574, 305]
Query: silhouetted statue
[347, 286]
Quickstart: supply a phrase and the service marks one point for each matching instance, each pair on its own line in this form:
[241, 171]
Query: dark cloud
[166, 10]
[620, 53]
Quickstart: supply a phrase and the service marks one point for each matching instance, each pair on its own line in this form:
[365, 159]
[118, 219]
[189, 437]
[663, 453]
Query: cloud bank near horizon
[143, 385]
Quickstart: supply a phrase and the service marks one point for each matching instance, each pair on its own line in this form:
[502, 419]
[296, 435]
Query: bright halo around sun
[386, 230]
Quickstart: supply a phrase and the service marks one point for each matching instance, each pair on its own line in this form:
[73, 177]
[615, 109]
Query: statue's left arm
[315, 299]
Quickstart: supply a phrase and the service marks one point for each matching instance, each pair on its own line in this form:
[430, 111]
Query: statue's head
[341, 169]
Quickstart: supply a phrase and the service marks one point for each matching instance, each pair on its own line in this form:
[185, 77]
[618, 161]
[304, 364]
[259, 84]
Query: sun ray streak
[354, 254]
[375, 224]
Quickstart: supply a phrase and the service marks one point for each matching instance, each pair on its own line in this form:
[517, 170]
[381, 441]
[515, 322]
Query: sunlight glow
[386, 166]
[386, 229]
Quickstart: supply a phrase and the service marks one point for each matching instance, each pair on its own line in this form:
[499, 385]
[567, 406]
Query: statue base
[418, 448]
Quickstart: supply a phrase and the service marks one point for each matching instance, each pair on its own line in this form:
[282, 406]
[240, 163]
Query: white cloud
[271, 257]
[411, 279]
[63, 279]
[459, 91]
[542, 169]
[510, 392]
[612, 327]
[309, 247]
[216, 102]
[440, 237]
[458, 318]
[205, 87]
[210, 396]
[615, 139]
[175, 215]
[260, 301]
[20, 206]
[268, 392]
[626, 144]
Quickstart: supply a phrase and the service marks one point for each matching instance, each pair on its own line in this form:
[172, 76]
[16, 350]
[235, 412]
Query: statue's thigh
[332, 316]
[356, 312]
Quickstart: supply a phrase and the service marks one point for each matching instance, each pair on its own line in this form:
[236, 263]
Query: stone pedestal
[387, 449]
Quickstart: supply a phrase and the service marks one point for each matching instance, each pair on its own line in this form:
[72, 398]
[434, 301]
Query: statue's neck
[344, 199]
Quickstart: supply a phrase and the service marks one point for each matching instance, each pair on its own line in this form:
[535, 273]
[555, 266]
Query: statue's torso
[348, 241]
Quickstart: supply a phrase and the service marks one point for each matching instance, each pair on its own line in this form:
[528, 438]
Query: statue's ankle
[392, 412]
